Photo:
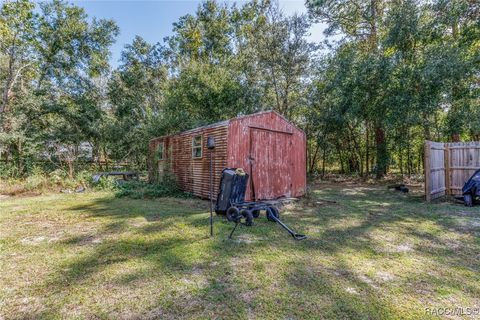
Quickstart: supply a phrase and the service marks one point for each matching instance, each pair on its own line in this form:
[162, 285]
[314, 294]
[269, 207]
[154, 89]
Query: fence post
[426, 169]
[448, 190]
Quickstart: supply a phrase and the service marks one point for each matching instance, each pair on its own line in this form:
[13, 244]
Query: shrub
[84, 178]
[57, 176]
[39, 181]
[141, 190]
[36, 181]
[105, 184]
[58, 180]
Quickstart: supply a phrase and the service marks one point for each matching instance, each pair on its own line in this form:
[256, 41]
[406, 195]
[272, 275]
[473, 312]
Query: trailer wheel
[272, 211]
[468, 200]
[233, 214]
[256, 213]
[248, 215]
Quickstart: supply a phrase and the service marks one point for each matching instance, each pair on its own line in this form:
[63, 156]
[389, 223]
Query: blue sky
[153, 20]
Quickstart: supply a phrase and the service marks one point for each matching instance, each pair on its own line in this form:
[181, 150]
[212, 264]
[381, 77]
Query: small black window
[197, 147]
[161, 151]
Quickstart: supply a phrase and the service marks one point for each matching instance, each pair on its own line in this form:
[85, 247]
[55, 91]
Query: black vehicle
[471, 189]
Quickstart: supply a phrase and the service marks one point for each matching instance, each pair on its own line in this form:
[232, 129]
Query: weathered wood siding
[193, 174]
[435, 170]
[448, 166]
[463, 160]
[268, 147]
[272, 151]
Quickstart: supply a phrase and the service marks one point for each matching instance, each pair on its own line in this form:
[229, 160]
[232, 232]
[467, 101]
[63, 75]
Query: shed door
[270, 163]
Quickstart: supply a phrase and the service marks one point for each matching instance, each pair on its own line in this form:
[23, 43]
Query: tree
[136, 93]
[53, 56]
[17, 25]
[284, 56]
[410, 64]
[359, 21]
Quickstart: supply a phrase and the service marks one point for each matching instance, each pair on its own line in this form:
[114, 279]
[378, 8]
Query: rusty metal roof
[224, 123]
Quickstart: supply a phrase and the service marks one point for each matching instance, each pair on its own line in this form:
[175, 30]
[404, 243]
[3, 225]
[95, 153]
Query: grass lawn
[375, 254]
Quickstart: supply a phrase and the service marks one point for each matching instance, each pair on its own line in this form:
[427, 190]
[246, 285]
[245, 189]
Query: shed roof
[224, 123]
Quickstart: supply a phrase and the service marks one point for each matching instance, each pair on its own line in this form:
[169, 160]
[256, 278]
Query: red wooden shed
[267, 146]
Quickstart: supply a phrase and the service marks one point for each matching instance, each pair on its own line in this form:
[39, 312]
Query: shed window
[197, 147]
[161, 151]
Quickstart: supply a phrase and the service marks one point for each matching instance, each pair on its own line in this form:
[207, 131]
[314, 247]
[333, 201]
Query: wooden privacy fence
[448, 166]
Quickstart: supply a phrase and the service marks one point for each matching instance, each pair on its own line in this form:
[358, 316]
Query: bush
[141, 190]
[57, 176]
[8, 171]
[39, 181]
[36, 181]
[105, 184]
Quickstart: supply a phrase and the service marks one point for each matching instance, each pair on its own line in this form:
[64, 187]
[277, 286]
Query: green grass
[375, 254]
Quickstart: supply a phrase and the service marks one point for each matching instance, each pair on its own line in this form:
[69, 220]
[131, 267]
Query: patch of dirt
[247, 238]
[391, 248]
[194, 281]
[17, 208]
[415, 181]
[141, 222]
[27, 194]
[324, 202]
[238, 263]
[367, 280]
[351, 290]
[423, 289]
[4, 196]
[469, 225]
[90, 239]
[37, 240]
[27, 304]
[384, 276]
[159, 313]
[340, 272]
[404, 248]
[192, 203]
[84, 240]
[454, 244]
[194, 278]
[33, 241]
[248, 296]
[465, 214]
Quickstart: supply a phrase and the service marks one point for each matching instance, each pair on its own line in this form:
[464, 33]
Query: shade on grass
[374, 254]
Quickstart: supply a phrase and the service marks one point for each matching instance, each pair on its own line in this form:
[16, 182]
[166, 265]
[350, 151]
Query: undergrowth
[40, 182]
[143, 190]
[165, 186]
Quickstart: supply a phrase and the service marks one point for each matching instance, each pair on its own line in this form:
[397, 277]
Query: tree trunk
[313, 159]
[382, 155]
[8, 82]
[340, 158]
[367, 149]
[323, 161]
[20, 156]
[106, 158]
[409, 159]
[70, 169]
[400, 160]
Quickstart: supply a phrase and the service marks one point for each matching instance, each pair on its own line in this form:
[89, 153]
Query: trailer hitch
[273, 215]
[235, 215]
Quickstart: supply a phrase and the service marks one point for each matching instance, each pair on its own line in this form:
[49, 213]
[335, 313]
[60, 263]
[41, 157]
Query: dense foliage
[389, 75]
[403, 71]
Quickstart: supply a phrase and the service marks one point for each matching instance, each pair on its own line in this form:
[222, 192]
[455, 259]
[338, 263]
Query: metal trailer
[231, 201]
[250, 210]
